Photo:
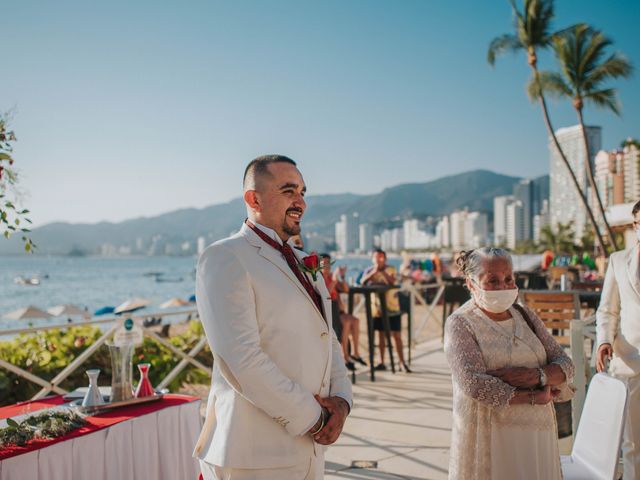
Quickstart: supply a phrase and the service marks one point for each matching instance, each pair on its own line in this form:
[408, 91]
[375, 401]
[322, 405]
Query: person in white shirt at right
[618, 337]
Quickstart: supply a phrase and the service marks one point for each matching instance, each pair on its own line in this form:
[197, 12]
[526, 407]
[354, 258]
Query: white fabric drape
[157, 445]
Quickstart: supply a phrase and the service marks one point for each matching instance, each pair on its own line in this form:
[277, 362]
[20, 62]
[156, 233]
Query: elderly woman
[507, 370]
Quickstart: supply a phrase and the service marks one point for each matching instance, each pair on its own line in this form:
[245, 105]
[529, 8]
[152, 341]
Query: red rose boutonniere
[311, 264]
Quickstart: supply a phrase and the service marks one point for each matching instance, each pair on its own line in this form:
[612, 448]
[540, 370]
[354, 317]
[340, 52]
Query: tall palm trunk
[552, 133]
[592, 181]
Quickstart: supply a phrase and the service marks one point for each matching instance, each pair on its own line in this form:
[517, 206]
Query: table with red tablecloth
[146, 441]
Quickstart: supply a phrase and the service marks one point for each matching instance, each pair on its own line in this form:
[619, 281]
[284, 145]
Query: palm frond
[605, 98]
[549, 83]
[616, 65]
[502, 44]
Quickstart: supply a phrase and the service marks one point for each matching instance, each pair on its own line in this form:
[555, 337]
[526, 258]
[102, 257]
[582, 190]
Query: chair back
[599, 435]
[556, 310]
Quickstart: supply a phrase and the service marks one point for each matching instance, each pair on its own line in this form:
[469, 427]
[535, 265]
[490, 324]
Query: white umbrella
[26, 313]
[132, 304]
[66, 309]
[174, 302]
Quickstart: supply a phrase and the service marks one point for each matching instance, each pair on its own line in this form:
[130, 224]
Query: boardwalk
[401, 421]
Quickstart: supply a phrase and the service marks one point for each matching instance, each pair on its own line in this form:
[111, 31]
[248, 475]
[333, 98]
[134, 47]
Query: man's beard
[291, 231]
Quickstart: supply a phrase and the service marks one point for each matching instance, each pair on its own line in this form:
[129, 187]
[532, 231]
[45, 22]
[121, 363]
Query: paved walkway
[401, 421]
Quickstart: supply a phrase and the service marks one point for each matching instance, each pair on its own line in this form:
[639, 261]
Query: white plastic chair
[596, 448]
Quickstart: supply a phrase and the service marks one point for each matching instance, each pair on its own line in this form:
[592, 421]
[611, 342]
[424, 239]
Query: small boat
[31, 281]
[161, 279]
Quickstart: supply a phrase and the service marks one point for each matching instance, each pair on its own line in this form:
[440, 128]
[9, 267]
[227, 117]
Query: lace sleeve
[555, 352]
[468, 368]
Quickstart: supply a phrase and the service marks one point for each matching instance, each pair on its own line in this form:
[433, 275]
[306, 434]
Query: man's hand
[605, 351]
[546, 395]
[338, 409]
[519, 377]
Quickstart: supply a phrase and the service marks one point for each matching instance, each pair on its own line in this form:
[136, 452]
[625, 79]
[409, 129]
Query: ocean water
[95, 282]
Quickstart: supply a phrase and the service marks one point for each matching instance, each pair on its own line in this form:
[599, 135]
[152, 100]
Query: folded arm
[468, 368]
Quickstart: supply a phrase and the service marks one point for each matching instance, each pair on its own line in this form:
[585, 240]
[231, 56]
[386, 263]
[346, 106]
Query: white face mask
[495, 301]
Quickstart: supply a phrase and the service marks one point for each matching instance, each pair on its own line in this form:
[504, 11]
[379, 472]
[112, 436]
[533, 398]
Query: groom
[279, 390]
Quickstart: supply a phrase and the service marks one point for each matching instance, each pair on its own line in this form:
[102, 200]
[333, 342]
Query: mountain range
[475, 190]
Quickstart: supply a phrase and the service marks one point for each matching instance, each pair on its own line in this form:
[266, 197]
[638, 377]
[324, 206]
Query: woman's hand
[519, 377]
[546, 395]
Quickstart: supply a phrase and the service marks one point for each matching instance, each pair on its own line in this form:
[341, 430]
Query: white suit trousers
[310, 470]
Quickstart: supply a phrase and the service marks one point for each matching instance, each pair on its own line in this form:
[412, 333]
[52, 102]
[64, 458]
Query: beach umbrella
[67, 310]
[27, 313]
[104, 310]
[192, 299]
[132, 305]
[174, 302]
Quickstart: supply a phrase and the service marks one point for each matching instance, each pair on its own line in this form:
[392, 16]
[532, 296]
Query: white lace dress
[492, 440]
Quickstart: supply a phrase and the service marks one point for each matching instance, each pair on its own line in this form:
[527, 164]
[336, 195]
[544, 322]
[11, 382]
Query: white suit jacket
[272, 350]
[618, 316]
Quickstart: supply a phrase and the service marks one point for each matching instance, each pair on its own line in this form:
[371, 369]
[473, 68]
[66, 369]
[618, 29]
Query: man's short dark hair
[636, 208]
[325, 255]
[379, 250]
[259, 167]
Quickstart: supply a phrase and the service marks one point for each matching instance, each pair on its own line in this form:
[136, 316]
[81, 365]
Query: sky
[128, 109]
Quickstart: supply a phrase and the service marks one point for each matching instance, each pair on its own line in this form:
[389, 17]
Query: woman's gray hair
[470, 261]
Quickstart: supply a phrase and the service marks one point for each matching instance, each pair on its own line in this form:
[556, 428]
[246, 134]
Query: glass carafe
[121, 371]
[144, 388]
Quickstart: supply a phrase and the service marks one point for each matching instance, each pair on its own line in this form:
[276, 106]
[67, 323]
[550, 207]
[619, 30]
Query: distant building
[515, 223]
[415, 237]
[313, 242]
[443, 233]
[565, 203]
[631, 156]
[610, 177]
[392, 240]
[541, 220]
[500, 218]
[468, 229]
[347, 233]
[523, 193]
[366, 238]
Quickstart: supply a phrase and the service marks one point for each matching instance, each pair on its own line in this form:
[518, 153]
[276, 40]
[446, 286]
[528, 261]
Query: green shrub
[46, 353]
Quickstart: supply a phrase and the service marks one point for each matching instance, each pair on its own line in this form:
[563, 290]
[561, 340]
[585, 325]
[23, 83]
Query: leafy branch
[13, 220]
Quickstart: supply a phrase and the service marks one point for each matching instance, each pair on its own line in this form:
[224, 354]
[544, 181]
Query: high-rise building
[540, 220]
[414, 236]
[610, 176]
[392, 240]
[500, 219]
[566, 205]
[523, 193]
[347, 233]
[476, 229]
[631, 155]
[366, 238]
[468, 229]
[515, 223]
[443, 233]
[201, 245]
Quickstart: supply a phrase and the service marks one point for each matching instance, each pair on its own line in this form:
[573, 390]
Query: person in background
[618, 337]
[547, 259]
[336, 284]
[382, 274]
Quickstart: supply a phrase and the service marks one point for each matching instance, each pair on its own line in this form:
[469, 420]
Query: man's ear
[251, 199]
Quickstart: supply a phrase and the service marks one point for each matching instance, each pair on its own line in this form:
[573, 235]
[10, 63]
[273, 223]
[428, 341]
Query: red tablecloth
[96, 422]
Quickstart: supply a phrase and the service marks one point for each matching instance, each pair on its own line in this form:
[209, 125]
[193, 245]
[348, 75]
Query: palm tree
[558, 240]
[533, 32]
[581, 52]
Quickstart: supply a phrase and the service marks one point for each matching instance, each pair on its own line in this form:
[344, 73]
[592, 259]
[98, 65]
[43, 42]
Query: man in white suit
[279, 391]
[618, 336]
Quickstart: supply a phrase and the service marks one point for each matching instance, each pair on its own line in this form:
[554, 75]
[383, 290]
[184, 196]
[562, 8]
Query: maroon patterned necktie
[292, 261]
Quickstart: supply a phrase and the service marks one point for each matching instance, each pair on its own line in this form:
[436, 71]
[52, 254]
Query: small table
[144, 441]
[367, 291]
